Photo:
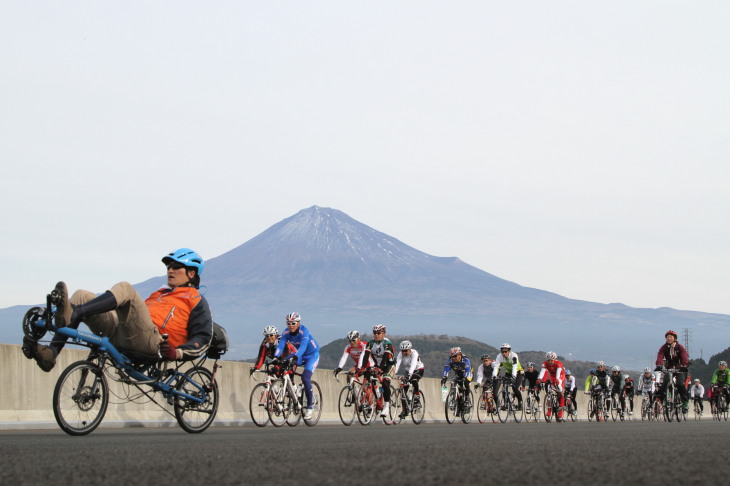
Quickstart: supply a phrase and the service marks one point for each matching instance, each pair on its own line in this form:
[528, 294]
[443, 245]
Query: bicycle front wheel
[615, 410]
[279, 403]
[549, 409]
[346, 404]
[418, 407]
[518, 409]
[316, 405]
[80, 398]
[196, 408]
[468, 407]
[483, 408]
[503, 407]
[366, 406]
[590, 409]
[394, 408]
[450, 406]
[257, 405]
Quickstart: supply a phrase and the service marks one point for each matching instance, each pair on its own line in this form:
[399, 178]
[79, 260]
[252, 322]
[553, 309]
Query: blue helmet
[187, 257]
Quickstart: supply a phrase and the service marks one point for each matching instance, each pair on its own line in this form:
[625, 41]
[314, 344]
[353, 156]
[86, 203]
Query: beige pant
[129, 327]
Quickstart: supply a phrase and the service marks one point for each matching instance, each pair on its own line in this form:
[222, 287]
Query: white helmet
[454, 351]
[505, 346]
[616, 368]
[293, 317]
[722, 363]
[600, 363]
[567, 372]
[647, 370]
[405, 345]
[352, 335]
[551, 355]
[271, 331]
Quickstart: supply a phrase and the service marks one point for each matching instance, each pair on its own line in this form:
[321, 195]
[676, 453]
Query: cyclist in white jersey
[412, 369]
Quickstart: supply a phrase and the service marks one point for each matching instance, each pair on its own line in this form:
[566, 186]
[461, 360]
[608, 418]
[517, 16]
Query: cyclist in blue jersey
[460, 365]
[307, 354]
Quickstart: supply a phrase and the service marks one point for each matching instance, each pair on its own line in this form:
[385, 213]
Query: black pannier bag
[219, 343]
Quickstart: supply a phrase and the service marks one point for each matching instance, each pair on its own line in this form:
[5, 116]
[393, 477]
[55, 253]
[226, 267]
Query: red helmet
[672, 333]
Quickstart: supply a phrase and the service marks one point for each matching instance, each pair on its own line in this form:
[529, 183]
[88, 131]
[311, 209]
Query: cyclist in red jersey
[356, 347]
[554, 370]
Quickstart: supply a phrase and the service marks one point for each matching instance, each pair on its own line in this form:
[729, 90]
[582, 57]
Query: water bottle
[300, 390]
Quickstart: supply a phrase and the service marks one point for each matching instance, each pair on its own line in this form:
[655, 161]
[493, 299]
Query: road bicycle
[262, 398]
[486, 408]
[370, 399]
[81, 394]
[597, 405]
[617, 412]
[413, 404]
[696, 407]
[570, 407]
[458, 402]
[289, 400]
[647, 409]
[552, 402]
[532, 406]
[672, 403]
[719, 403]
[347, 402]
[508, 402]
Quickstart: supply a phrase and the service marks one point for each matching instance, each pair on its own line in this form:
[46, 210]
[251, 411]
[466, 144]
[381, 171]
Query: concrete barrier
[26, 401]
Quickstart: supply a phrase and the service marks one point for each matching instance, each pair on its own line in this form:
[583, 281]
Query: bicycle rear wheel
[80, 398]
[418, 407]
[197, 409]
[316, 405]
[450, 406]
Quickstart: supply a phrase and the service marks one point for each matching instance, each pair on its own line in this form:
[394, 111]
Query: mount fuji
[340, 274]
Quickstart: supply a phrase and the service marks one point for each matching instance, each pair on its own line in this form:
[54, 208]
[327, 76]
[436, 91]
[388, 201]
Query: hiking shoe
[307, 413]
[45, 357]
[63, 308]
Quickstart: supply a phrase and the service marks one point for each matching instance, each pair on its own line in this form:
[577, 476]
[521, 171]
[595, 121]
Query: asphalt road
[435, 453]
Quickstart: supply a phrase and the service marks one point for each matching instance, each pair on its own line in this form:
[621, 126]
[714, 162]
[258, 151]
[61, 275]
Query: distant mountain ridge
[341, 274]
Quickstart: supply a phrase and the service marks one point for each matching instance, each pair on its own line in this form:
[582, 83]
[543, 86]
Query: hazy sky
[578, 147]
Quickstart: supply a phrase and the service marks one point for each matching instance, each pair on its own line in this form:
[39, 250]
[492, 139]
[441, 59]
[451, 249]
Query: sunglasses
[378, 332]
[270, 335]
[175, 266]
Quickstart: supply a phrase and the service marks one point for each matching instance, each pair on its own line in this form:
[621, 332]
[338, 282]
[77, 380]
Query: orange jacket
[170, 311]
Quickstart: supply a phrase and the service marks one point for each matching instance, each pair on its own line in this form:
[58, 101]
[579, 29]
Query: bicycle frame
[81, 394]
[160, 379]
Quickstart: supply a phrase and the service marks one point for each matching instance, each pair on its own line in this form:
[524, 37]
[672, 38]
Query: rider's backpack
[219, 343]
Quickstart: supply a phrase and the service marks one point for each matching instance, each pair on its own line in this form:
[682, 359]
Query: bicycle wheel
[316, 405]
[346, 404]
[645, 410]
[658, 410]
[483, 408]
[80, 398]
[528, 403]
[196, 409]
[723, 409]
[615, 409]
[590, 410]
[572, 412]
[668, 407]
[257, 405]
[503, 407]
[394, 410]
[366, 405]
[418, 407]
[517, 409]
[450, 406]
[468, 407]
[549, 408]
[279, 403]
